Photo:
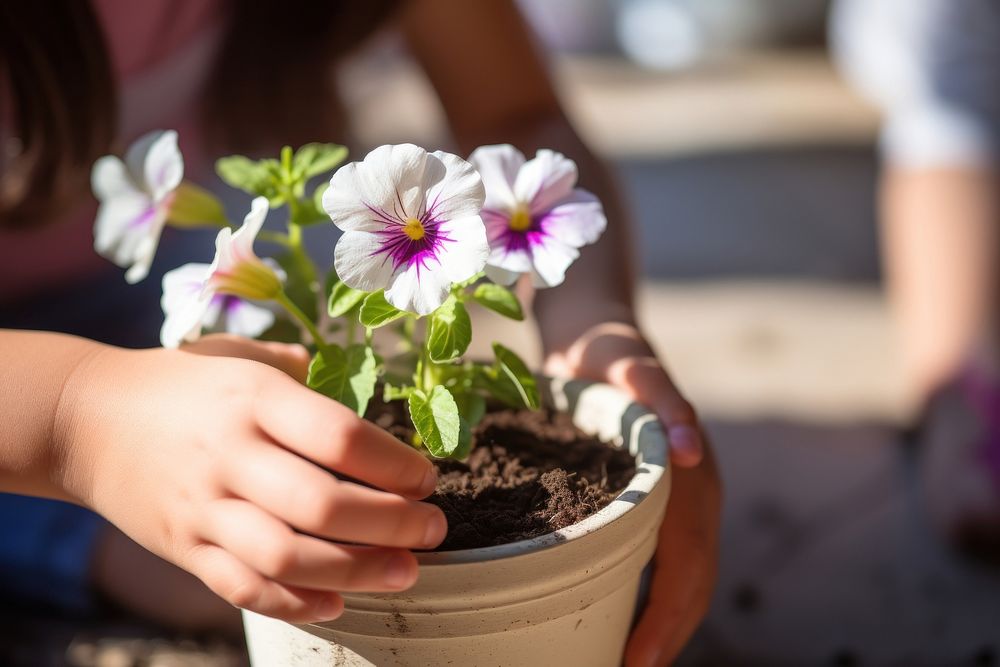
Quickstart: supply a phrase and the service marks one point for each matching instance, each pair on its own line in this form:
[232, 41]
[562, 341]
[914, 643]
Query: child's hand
[220, 466]
[687, 552]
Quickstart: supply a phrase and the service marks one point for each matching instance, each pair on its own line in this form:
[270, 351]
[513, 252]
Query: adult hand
[687, 552]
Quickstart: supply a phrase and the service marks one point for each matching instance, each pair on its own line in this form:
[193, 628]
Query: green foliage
[315, 159]
[498, 299]
[509, 379]
[377, 312]
[344, 299]
[284, 181]
[449, 332]
[194, 206]
[437, 421]
[347, 376]
[260, 178]
[298, 285]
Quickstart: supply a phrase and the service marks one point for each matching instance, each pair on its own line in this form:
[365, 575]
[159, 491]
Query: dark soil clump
[530, 473]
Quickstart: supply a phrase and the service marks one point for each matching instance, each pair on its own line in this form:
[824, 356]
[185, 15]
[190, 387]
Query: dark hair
[272, 82]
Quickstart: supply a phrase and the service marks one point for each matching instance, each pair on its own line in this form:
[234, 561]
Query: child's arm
[218, 465]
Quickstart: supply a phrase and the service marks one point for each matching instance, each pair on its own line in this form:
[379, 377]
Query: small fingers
[239, 585]
[316, 502]
[274, 550]
[335, 437]
[646, 381]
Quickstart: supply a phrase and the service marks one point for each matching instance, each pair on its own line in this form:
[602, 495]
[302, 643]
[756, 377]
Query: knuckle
[244, 593]
[279, 558]
[323, 507]
[345, 440]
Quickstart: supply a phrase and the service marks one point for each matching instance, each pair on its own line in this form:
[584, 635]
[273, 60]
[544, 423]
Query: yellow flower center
[414, 229]
[520, 219]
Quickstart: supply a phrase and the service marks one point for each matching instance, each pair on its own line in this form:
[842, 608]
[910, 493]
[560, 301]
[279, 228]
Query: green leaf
[317, 197]
[449, 331]
[298, 284]
[194, 206]
[343, 299]
[512, 370]
[464, 440]
[260, 178]
[437, 421]
[471, 406]
[347, 376]
[377, 312]
[314, 159]
[391, 392]
[499, 299]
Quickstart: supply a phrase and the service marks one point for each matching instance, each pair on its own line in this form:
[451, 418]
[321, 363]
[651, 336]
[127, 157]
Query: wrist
[71, 469]
[562, 326]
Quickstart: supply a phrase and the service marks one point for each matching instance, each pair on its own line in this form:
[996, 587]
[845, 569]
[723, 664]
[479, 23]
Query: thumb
[645, 380]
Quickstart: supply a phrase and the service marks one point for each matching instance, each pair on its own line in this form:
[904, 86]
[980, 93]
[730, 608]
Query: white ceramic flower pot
[565, 598]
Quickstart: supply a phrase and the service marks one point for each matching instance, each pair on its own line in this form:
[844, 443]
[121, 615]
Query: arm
[482, 61]
[218, 465]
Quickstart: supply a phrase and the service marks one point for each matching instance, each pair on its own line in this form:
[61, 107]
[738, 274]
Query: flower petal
[145, 250]
[110, 179]
[502, 276]
[417, 290]
[551, 258]
[117, 218]
[155, 161]
[544, 180]
[388, 182]
[577, 220]
[184, 303]
[454, 189]
[509, 249]
[359, 263]
[466, 251]
[498, 166]
[244, 318]
[244, 237]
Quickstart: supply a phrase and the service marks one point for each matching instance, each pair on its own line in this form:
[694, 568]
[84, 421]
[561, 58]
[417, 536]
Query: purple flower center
[227, 303]
[409, 240]
[517, 234]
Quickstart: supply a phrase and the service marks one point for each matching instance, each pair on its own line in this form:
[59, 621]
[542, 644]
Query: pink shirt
[161, 51]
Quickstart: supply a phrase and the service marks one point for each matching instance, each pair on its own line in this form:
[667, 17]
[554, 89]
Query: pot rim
[592, 405]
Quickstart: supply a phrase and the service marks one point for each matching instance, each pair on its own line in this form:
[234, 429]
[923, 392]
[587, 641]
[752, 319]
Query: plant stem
[274, 237]
[297, 313]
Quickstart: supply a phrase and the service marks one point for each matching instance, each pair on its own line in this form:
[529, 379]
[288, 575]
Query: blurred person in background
[933, 68]
[250, 76]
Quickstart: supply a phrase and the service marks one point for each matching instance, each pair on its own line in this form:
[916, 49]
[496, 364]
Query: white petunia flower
[135, 198]
[182, 302]
[536, 220]
[411, 223]
[199, 295]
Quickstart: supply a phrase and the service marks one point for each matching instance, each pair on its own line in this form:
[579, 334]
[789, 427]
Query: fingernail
[399, 571]
[429, 482]
[328, 608]
[685, 441]
[437, 528]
